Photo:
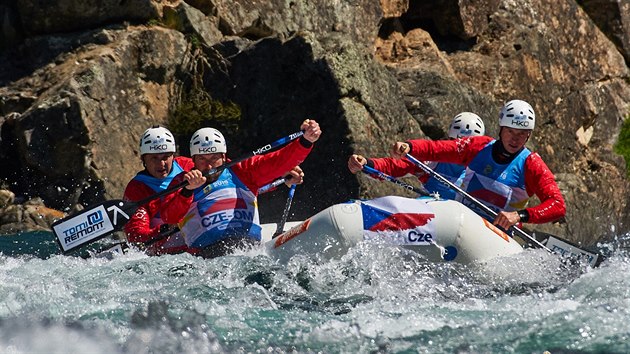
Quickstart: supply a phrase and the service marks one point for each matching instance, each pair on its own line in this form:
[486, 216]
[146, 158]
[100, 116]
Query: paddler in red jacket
[220, 213]
[146, 227]
[503, 174]
[463, 124]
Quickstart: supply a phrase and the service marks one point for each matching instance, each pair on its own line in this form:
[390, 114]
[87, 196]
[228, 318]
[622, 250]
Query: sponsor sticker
[83, 228]
[567, 250]
[496, 230]
[225, 217]
[262, 150]
[292, 233]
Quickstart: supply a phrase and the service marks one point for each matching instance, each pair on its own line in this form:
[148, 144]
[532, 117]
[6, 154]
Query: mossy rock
[199, 110]
[622, 147]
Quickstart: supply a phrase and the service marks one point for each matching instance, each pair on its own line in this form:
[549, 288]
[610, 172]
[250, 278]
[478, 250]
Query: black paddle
[268, 187]
[285, 213]
[100, 220]
[374, 172]
[122, 246]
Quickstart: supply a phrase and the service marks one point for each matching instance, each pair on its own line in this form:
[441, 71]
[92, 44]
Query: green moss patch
[622, 147]
[199, 110]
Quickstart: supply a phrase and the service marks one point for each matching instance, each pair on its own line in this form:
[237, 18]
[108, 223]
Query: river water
[376, 299]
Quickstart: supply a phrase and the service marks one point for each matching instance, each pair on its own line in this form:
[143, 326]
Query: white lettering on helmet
[520, 123]
[158, 147]
[207, 150]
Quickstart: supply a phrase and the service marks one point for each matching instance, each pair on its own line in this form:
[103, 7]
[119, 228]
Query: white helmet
[207, 141]
[157, 140]
[517, 114]
[466, 124]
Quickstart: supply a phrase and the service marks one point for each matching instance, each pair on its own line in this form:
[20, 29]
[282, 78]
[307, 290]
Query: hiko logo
[262, 149]
[519, 120]
[160, 147]
[520, 123]
[207, 150]
[207, 147]
[158, 144]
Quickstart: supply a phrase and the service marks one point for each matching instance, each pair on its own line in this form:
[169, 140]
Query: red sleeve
[460, 151]
[259, 170]
[396, 167]
[138, 228]
[185, 162]
[255, 172]
[175, 205]
[540, 181]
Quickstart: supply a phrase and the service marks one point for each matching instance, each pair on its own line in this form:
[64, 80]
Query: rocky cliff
[81, 80]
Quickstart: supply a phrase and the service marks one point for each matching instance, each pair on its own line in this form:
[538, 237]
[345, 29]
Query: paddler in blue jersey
[464, 124]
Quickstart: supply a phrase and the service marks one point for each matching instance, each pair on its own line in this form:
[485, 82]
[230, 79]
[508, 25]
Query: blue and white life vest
[499, 186]
[221, 209]
[158, 185]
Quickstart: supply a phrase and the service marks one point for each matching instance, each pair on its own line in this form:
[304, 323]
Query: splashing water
[377, 298]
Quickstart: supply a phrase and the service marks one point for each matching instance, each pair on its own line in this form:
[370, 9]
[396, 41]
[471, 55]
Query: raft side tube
[328, 234]
[448, 225]
[479, 240]
[460, 235]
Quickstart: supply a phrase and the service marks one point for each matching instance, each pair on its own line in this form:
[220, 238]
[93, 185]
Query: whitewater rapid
[377, 298]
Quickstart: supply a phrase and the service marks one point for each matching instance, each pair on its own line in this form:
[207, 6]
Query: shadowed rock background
[80, 80]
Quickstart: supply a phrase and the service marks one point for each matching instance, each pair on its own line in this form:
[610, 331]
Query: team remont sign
[88, 225]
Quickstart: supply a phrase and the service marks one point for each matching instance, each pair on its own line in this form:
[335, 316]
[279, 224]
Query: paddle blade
[92, 223]
[569, 249]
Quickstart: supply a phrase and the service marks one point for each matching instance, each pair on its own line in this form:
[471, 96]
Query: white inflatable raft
[441, 230]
